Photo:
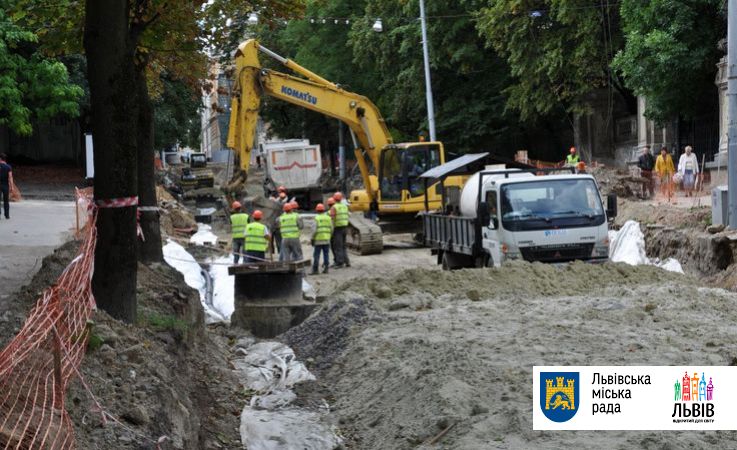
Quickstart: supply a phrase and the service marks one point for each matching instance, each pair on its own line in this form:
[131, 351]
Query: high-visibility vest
[341, 215]
[256, 237]
[288, 226]
[572, 159]
[324, 227]
[238, 222]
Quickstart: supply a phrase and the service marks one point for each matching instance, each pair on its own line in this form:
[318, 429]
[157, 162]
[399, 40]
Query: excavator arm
[312, 92]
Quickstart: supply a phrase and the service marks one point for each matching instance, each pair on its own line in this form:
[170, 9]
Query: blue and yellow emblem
[559, 395]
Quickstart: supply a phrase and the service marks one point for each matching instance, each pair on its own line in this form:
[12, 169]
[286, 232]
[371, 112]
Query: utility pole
[428, 84]
[732, 110]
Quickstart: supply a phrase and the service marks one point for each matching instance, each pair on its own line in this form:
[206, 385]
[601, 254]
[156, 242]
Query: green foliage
[558, 51]
[165, 322]
[177, 115]
[31, 86]
[94, 342]
[670, 53]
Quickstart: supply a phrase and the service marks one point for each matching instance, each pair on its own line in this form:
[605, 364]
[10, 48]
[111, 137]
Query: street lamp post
[378, 27]
[428, 84]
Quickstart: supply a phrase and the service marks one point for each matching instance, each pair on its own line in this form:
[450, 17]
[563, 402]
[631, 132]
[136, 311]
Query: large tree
[558, 51]
[670, 53]
[31, 86]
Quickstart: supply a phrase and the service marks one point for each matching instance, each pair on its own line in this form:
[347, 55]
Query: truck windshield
[545, 204]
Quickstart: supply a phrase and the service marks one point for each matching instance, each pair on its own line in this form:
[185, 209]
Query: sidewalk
[35, 229]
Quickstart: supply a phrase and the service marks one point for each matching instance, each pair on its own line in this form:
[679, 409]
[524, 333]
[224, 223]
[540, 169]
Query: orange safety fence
[38, 364]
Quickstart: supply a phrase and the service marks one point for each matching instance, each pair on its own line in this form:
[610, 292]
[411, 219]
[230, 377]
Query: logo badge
[559, 395]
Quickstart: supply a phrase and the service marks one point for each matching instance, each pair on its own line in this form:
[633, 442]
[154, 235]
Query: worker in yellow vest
[339, 213]
[289, 225]
[321, 239]
[238, 223]
[331, 211]
[572, 159]
[257, 239]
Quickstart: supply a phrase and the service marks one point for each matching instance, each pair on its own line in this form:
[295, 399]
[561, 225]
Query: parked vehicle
[507, 214]
[296, 165]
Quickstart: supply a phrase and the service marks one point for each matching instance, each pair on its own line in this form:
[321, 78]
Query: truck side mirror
[611, 206]
[483, 213]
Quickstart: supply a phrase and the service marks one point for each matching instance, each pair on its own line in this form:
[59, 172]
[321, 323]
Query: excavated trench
[699, 253]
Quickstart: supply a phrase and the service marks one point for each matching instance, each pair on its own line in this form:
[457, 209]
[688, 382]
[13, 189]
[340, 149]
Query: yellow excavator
[390, 171]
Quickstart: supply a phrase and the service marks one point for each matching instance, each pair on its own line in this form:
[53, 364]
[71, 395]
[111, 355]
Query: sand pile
[456, 349]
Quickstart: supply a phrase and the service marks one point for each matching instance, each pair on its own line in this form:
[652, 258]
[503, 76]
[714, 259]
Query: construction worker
[289, 225]
[339, 213]
[321, 239]
[257, 238]
[238, 223]
[572, 159]
[331, 204]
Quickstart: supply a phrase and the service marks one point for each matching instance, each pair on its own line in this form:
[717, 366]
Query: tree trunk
[111, 75]
[149, 249]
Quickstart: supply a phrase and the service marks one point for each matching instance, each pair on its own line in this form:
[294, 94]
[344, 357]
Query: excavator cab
[399, 174]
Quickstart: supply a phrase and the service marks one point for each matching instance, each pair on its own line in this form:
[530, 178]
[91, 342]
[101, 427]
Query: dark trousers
[5, 192]
[238, 244]
[341, 251]
[257, 256]
[325, 249]
[649, 185]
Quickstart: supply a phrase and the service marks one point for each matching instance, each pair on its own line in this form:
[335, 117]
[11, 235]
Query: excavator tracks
[364, 236]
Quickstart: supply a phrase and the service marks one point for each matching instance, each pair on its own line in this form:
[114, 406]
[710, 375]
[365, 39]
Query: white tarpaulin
[269, 422]
[628, 246]
[176, 256]
[204, 235]
[223, 293]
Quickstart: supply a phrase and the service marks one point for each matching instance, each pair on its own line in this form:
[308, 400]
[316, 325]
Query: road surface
[35, 229]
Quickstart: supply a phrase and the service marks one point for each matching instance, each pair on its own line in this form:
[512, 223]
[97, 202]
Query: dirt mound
[663, 214]
[323, 337]
[464, 361]
[162, 376]
[516, 279]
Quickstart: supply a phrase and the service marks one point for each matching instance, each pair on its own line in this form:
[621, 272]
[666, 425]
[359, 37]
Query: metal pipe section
[732, 111]
[428, 84]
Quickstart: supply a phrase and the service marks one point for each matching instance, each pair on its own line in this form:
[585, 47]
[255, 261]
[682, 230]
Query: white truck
[296, 165]
[530, 214]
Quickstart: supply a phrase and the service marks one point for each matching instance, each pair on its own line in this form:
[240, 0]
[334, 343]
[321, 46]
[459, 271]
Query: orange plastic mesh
[38, 364]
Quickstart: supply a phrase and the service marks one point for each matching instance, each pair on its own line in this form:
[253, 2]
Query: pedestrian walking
[6, 180]
[289, 224]
[257, 239]
[646, 163]
[339, 214]
[321, 239]
[665, 170]
[688, 167]
[238, 224]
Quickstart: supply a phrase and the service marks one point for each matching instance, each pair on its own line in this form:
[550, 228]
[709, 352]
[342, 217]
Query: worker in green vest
[572, 158]
[238, 223]
[257, 239]
[289, 224]
[321, 239]
[339, 213]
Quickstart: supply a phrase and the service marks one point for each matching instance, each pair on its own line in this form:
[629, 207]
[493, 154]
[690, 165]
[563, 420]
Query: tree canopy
[31, 86]
[670, 53]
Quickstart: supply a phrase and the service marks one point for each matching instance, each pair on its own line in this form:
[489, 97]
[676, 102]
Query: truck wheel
[484, 261]
[446, 262]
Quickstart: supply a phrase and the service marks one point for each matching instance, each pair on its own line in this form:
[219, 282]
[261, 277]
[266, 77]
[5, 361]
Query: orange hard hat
[282, 194]
[287, 207]
[236, 205]
[338, 196]
[331, 201]
[281, 189]
[258, 215]
[573, 150]
[320, 207]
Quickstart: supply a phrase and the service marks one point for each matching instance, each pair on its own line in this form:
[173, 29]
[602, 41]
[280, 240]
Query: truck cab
[553, 218]
[526, 214]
